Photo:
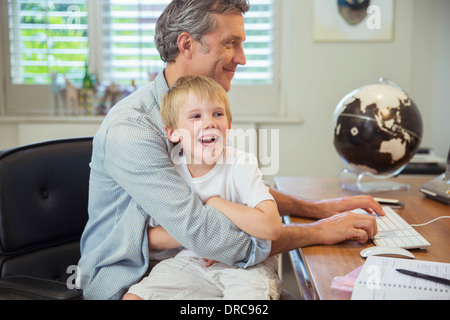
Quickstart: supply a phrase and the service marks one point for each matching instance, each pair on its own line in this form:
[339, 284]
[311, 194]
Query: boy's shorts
[186, 277]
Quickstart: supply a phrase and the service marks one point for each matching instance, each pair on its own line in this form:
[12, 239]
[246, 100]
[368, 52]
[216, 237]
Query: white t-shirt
[235, 178]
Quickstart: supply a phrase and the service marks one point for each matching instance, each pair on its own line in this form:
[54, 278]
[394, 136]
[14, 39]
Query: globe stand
[368, 183]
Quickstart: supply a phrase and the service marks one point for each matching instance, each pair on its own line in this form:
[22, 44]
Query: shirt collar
[160, 86]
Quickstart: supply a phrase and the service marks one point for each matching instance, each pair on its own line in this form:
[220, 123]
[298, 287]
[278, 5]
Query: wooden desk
[316, 266]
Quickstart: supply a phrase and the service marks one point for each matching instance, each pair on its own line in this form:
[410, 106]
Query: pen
[424, 276]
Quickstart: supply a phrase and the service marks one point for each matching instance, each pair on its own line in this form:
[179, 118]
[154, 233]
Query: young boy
[197, 116]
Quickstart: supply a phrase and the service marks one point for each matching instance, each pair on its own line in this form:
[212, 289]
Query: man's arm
[338, 228]
[334, 227]
[160, 239]
[289, 205]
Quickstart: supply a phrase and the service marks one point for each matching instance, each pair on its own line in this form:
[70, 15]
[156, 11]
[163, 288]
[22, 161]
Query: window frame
[246, 100]
[3, 59]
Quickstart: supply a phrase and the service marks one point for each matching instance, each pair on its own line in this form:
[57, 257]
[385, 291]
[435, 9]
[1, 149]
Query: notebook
[378, 280]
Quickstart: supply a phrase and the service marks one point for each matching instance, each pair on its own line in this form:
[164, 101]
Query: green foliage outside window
[50, 38]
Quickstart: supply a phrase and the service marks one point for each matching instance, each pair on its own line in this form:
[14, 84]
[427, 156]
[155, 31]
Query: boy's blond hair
[202, 87]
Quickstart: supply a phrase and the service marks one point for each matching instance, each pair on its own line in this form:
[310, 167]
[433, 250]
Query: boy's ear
[172, 135]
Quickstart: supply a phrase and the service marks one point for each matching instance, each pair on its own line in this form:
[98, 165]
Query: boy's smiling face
[202, 128]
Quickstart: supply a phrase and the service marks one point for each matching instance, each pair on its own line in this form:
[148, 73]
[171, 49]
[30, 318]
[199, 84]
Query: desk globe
[377, 130]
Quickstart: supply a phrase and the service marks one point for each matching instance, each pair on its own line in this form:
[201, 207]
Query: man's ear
[185, 45]
[172, 135]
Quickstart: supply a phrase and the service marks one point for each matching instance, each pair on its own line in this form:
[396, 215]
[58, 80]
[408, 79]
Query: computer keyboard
[394, 231]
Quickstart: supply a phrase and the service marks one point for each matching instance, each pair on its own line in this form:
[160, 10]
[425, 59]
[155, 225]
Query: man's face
[221, 51]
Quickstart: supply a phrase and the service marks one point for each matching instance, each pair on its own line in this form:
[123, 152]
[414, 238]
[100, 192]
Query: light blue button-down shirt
[133, 179]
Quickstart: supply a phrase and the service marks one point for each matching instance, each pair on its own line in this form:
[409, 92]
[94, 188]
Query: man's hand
[332, 230]
[346, 226]
[331, 207]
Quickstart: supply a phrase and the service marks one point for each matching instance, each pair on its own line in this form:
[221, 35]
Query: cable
[424, 224]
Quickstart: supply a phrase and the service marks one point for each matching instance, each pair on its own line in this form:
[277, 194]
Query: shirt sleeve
[248, 181]
[136, 156]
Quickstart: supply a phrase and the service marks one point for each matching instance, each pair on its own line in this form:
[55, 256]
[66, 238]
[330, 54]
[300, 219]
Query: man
[133, 179]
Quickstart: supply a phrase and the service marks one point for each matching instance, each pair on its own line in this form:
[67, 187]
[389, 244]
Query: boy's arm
[160, 239]
[262, 222]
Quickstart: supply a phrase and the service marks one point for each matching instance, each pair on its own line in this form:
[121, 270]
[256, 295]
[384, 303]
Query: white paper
[379, 280]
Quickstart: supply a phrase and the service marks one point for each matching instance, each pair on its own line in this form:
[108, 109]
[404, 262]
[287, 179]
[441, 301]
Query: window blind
[51, 36]
[47, 37]
[258, 47]
[129, 52]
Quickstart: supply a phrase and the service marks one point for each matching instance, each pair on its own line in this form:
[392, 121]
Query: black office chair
[43, 212]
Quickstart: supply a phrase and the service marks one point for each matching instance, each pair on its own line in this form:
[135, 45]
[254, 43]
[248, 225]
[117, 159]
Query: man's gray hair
[194, 17]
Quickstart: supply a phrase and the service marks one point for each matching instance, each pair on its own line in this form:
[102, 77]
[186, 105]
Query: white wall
[320, 74]
[430, 76]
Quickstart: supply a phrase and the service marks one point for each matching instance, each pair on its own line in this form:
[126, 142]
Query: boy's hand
[209, 262]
